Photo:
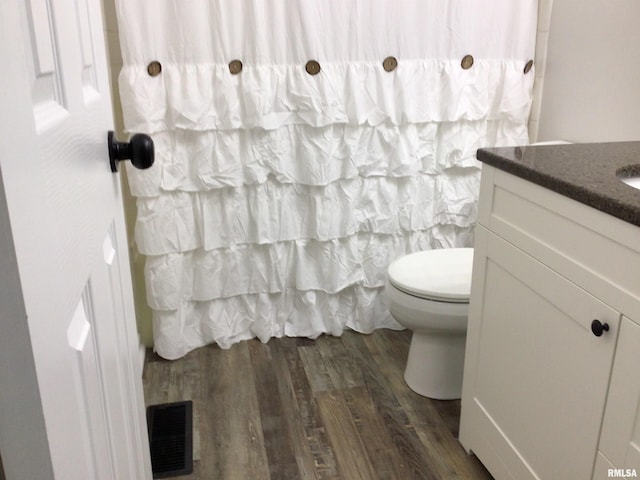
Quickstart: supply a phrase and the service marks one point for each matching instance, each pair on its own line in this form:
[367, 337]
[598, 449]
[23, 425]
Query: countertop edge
[588, 196]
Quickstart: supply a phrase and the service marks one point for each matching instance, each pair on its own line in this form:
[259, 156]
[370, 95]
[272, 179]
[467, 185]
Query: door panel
[620, 439]
[42, 61]
[88, 383]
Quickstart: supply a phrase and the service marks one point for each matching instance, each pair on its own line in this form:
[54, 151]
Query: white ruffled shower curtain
[279, 196]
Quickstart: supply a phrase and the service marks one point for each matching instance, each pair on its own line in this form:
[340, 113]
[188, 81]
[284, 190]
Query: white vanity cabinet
[537, 378]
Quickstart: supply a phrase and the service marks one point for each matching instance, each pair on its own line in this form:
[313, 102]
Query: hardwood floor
[330, 408]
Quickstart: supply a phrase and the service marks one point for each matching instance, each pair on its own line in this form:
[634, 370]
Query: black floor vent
[171, 438]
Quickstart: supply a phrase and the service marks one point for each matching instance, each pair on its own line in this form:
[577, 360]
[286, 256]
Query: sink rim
[630, 175]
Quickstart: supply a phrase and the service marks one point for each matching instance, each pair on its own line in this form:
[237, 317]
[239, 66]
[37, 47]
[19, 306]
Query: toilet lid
[443, 274]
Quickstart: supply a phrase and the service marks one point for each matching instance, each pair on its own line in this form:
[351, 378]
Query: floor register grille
[170, 428]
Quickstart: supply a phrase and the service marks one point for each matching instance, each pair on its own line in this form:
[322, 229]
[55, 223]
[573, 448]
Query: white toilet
[428, 293]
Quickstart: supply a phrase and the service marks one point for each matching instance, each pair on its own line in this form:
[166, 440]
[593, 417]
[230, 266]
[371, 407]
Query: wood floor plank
[235, 437]
[294, 422]
[351, 455]
[313, 436]
[188, 386]
[339, 363]
[381, 449]
[207, 466]
[177, 381]
[192, 390]
[282, 459]
[315, 368]
[156, 380]
[449, 411]
[447, 455]
[419, 463]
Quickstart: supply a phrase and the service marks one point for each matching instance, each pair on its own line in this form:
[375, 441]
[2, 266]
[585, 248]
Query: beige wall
[542, 40]
[592, 72]
[143, 312]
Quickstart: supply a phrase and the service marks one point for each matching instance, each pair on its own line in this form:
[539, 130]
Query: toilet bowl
[428, 293]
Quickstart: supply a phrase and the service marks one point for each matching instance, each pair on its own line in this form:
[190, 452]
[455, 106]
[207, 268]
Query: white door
[71, 403]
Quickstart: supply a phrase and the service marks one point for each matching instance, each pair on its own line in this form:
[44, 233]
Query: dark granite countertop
[585, 172]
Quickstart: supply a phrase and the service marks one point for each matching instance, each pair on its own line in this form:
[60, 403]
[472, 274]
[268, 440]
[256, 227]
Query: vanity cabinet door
[620, 439]
[535, 375]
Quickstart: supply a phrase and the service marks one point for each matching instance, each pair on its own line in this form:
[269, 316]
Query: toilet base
[435, 365]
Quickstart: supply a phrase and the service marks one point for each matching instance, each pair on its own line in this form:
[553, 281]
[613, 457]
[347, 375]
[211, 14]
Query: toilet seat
[442, 275]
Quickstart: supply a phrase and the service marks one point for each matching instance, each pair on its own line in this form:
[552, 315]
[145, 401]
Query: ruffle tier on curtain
[278, 198]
